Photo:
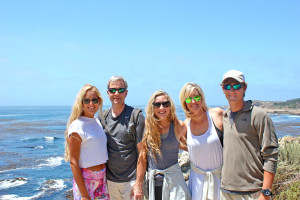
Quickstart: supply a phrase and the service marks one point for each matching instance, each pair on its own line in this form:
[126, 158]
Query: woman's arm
[74, 141]
[137, 190]
[140, 173]
[182, 135]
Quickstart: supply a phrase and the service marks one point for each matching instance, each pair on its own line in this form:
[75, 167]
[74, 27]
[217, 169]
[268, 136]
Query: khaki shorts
[120, 191]
[227, 196]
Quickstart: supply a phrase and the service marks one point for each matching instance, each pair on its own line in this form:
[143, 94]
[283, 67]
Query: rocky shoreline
[276, 107]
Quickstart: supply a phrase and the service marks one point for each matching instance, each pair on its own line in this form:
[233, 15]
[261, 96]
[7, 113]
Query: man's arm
[267, 184]
[269, 151]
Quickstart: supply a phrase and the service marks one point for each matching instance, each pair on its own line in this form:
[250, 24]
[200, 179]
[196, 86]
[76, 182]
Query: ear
[107, 92]
[126, 93]
[245, 87]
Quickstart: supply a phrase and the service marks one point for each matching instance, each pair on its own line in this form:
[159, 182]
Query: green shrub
[287, 180]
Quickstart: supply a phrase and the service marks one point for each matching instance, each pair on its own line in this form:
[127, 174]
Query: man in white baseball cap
[250, 150]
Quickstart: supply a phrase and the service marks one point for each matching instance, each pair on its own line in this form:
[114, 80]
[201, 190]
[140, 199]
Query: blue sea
[32, 148]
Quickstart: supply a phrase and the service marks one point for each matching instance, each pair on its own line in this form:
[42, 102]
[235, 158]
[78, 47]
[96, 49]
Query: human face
[232, 95]
[117, 98]
[90, 109]
[194, 105]
[161, 112]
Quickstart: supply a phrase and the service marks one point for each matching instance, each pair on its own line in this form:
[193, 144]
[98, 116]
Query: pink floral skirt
[95, 183]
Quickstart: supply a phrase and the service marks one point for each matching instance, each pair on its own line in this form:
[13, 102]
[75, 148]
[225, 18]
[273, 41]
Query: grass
[286, 184]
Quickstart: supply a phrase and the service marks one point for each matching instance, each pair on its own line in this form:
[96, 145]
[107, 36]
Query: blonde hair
[151, 141]
[186, 92]
[77, 111]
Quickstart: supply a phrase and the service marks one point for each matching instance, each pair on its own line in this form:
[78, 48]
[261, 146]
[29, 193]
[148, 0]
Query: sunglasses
[113, 90]
[87, 101]
[189, 99]
[164, 104]
[235, 86]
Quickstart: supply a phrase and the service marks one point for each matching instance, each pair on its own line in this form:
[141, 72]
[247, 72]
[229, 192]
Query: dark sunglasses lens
[227, 87]
[156, 104]
[237, 86]
[197, 98]
[121, 90]
[166, 104]
[95, 101]
[188, 100]
[86, 101]
[112, 90]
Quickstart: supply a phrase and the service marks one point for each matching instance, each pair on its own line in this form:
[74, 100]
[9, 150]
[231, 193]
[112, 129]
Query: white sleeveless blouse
[206, 153]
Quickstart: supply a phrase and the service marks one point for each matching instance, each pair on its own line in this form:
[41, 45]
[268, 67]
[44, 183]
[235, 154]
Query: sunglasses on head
[189, 99]
[113, 90]
[235, 86]
[164, 104]
[87, 101]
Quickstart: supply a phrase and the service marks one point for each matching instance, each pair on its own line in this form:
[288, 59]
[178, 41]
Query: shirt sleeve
[140, 127]
[76, 127]
[269, 143]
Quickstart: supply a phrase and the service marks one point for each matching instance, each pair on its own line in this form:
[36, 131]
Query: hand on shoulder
[217, 116]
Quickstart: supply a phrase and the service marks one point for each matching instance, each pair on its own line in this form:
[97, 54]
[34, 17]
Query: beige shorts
[120, 191]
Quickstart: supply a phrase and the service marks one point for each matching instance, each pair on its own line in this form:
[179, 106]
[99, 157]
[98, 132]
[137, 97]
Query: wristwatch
[266, 192]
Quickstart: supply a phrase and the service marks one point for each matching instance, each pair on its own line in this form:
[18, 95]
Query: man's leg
[114, 190]
[126, 189]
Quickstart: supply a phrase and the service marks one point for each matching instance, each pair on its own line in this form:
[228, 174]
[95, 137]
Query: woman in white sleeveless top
[204, 143]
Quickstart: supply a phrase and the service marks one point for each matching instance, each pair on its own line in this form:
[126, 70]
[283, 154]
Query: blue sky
[50, 49]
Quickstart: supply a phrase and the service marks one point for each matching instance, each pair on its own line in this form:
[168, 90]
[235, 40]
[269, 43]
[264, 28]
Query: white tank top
[205, 151]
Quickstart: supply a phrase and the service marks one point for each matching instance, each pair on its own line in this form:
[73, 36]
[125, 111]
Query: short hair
[117, 78]
[186, 92]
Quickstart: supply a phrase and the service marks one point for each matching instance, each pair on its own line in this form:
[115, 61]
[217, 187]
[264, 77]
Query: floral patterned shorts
[95, 183]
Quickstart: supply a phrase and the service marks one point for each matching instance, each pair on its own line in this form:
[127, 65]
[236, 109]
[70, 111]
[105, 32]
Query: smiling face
[90, 109]
[194, 106]
[232, 95]
[117, 98]
[161, 112]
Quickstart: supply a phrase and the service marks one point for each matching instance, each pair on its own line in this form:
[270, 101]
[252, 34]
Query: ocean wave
[4, 184]
[47, 138]
[52, 162]
[47, 188]
[16, 197]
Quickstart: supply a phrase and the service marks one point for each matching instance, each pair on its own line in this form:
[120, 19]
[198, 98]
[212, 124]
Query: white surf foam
[52, 162]
[49, 138]
[12, 183]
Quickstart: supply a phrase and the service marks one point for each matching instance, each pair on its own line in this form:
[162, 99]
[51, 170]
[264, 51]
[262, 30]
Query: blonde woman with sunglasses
[160, 145]
[204, 142]
[85, 146]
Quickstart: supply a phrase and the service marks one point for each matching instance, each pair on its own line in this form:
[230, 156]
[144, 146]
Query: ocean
[32, 148]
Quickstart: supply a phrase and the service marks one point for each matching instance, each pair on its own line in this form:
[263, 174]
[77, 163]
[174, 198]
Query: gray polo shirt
[122, 149]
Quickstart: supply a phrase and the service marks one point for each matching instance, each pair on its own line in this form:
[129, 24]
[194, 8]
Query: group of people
[122, 155]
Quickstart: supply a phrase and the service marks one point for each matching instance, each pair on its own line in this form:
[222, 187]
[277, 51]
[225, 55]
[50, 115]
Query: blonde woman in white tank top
[204, 144]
